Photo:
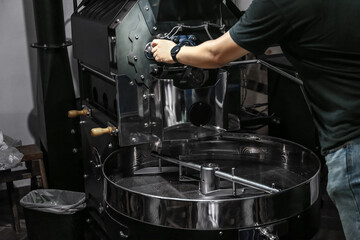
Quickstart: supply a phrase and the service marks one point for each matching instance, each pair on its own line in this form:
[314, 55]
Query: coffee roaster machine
[161, 160]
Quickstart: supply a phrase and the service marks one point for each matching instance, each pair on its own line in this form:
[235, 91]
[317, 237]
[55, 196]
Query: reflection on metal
[209, 181]
[169, 163]
[258, 61]
[164, 200]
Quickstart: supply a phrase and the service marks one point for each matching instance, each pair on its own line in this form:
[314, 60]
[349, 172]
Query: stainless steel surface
[164, 200]
[208, 181]
[172, 166]
[223, 175]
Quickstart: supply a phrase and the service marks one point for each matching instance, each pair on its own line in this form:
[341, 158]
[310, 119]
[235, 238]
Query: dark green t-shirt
[321, 38]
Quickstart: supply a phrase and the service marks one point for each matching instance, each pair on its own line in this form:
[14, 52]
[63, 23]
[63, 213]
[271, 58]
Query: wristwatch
[174, 51]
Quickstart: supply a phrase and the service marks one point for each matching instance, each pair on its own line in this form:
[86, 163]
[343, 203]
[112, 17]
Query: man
[321, 38]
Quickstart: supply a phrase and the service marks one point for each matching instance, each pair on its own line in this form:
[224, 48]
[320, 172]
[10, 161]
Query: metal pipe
[56, 96]
[111, 80]
[279, 71]
[245, 182]
[268, 65]
[222, 175]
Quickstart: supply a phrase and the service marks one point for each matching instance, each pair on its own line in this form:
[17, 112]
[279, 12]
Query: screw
[72, 131]
[110, 145]
[155, 28]
[220, 233]
[153, 124]
[134, 140]
[75, 150]
[145, 96]
[117, 20]
[147, 8]
[142, 77]
[101, 208]
[137, 36]
[85, 176]
[135, 58]
[146, 125]
[132, 83]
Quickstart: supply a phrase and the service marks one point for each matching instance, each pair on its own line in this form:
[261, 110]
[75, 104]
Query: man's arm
[211, 54]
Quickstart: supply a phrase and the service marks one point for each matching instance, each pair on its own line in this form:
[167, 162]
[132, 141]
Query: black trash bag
[54, 201]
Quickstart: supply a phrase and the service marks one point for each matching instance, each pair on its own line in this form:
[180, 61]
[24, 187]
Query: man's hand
[161, 50]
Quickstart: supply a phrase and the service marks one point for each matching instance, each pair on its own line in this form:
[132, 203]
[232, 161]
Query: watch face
[175, 49]
[174, 52]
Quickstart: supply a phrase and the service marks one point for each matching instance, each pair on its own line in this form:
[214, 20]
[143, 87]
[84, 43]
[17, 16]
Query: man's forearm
[211, 54]
[201, 56]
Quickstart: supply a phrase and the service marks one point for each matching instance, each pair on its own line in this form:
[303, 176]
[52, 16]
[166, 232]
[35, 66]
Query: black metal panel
[90, 31]
[182, 10]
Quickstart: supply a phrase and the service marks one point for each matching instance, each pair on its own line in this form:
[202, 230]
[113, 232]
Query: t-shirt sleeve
[261, 26]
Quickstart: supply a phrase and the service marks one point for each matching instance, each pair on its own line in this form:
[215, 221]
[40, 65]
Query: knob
[76, 113]
[96, 132]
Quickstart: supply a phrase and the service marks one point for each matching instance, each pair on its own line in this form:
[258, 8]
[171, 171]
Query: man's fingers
[155, 42]
[154, 49]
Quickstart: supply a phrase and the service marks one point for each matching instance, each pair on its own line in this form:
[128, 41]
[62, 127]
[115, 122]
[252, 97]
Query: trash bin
[54, 214]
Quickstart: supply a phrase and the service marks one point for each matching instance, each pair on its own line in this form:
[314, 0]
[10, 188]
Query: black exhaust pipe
[59, 135]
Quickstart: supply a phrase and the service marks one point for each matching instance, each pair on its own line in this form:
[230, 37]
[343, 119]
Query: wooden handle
[76, 113]
[96, 132]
